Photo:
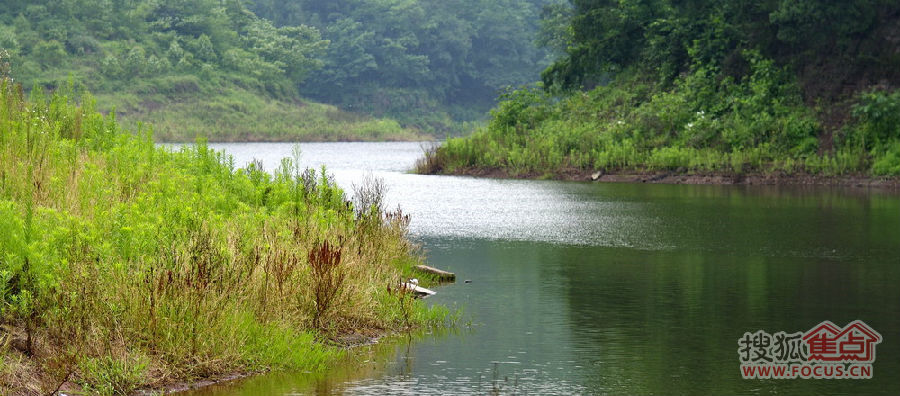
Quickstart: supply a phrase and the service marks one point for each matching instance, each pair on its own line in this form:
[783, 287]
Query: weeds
[327, 279]
[111, 376]
[405, 301]
[147, 265]
[430, 163]
[368, 197]
[368, 202]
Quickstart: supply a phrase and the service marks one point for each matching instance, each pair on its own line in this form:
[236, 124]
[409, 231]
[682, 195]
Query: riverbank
[347, 343]
[233, 114]
[658, 177]
[758, 126]
[125, 265]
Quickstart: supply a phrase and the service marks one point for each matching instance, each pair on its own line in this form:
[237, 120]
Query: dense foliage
[853, 41]
[412, 58]
[705, 87]
[125, 264]
[426, 63]
[128, 39]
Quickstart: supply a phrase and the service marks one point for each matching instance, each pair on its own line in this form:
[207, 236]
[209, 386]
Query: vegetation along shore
[125, 265]
[680, 176]
[791, 92]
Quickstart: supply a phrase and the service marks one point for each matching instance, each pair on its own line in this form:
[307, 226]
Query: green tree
[409, 55]
[49, 53]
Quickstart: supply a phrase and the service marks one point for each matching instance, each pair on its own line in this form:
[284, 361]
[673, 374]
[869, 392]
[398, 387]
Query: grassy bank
[808, 88]
[699, 125]
[183, 109]
[222, 107]
[125, 265]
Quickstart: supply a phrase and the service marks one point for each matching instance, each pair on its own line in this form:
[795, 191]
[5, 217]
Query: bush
[524, 107]
[111, 376]
[83, 44]
[888, 164]
[49, 53]
[877, 116]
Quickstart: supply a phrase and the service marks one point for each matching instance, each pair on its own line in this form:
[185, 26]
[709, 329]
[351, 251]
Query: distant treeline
[427, 63]
[115, 41]
[407, 58]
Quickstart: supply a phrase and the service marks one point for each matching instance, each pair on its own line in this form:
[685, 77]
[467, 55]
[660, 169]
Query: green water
[582, 288]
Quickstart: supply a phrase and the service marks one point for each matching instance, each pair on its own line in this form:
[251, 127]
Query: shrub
[877, 116]
[111, 376]
[525, 107]
[889, 163]
[49, 53]
[327, 277]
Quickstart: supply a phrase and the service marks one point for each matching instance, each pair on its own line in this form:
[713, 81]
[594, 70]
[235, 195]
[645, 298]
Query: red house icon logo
[853, 343]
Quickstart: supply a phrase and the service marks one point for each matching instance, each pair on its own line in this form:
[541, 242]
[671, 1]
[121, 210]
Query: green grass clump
[235, 114]
[127, 265]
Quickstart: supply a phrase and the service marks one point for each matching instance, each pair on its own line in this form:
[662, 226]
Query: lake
[587, 288]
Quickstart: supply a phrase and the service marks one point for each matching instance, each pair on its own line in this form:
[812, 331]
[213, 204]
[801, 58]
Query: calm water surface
[582, 288]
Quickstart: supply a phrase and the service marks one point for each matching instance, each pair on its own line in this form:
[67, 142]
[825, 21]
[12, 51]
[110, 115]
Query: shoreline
[345, 342]
[674, 177]
[304, 139]
[176, 386]
[185, 386]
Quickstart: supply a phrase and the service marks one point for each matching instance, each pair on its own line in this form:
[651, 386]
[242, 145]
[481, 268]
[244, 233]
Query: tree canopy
[428, 63]
[124, 39]
[847, 41]
[414, 56]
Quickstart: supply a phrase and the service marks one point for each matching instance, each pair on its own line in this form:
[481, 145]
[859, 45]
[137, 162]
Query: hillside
[193, 68]
[429, 63]
[215, 68]
[704, 88]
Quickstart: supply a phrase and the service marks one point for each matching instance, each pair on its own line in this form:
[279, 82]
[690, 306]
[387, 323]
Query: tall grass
[231, 113]
[125, 265]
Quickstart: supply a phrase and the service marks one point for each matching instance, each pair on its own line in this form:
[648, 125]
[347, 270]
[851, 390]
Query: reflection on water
[582, 288]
